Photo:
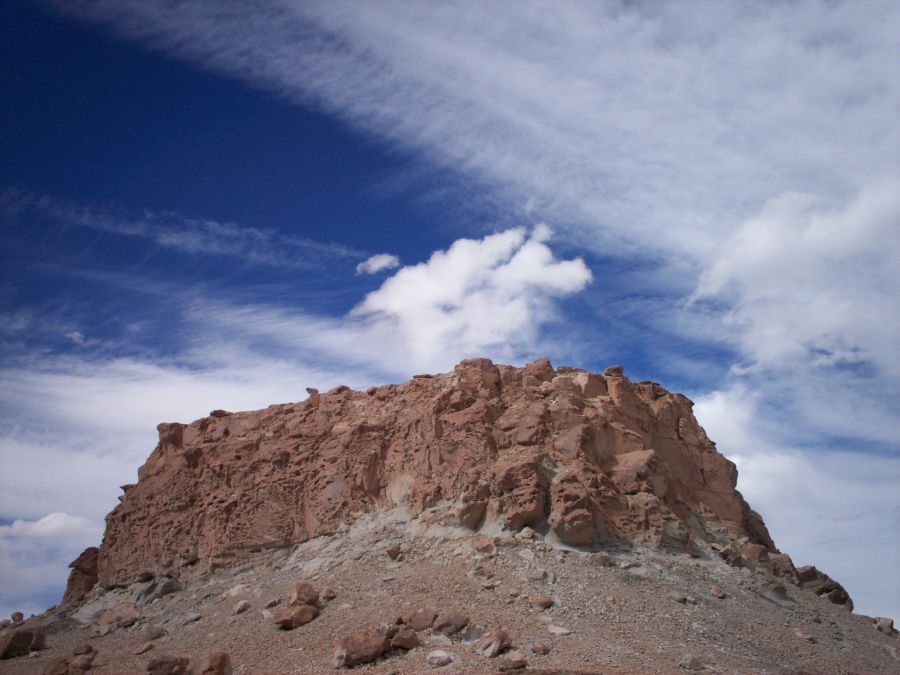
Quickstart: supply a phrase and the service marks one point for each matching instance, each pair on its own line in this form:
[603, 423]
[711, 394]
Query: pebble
[438, 658]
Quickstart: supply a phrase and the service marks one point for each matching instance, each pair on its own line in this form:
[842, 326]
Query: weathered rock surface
[83, 576]
[586, 458]
[820, 583]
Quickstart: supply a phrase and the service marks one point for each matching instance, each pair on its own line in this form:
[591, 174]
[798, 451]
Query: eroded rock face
[589, 459]
[83, 576]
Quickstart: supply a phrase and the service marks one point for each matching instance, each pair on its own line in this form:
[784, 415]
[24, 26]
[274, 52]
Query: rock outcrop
[83, 576]
[585, 459]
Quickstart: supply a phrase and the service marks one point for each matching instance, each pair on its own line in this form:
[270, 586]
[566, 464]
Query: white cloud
[55, 525]
[378, 263]
[816, 282]
[34, 555]
[479, 296]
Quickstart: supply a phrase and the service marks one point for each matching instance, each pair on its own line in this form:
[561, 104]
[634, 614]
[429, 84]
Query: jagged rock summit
[588, 460]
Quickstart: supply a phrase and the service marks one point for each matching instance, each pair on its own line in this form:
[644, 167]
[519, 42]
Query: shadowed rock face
[590, 459]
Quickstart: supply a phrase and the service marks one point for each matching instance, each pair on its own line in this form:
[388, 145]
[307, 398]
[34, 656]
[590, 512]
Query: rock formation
[585, 459]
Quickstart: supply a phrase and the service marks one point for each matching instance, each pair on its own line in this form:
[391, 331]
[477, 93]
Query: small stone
[884, 625]
[405, 638]
[526, 533]
[804, 634]
[241, 607]
[483, 545]
[492, 643]
[541, 648]
[394, 551]
[328, 594]
[438, 658]
[272, 603]
[602, 559]
[143, 649]
[191, 618]
[558, 630]
[292, 617]
[540, 601]
[717, 592]
[683, 599]
[154, 633]
[514, 660]
[691, 662]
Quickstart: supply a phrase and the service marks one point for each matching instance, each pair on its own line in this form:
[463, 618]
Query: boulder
[166, 664]
[21, 642]
[885, 625]
[394, 551]
[514, 660]
[360, 647]
[422, 619]
[438, 658]
[405, 638]
[812, 579]
[79, 662]
[120, 615]
[304, 594]
[217, 663]
[450, 622]
[293, 617]
[541, 648]
[540, 601]
[17, 617]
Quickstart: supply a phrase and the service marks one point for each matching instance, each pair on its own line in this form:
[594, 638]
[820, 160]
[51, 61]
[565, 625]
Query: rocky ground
[617, 611]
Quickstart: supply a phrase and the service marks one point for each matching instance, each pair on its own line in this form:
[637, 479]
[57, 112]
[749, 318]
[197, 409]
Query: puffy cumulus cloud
[839, 510]
[815, 281]
[34, 555]
[378, 263]
[479, 296]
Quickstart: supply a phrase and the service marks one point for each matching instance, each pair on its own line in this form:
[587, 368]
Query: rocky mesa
[489, 519]
[590, 460]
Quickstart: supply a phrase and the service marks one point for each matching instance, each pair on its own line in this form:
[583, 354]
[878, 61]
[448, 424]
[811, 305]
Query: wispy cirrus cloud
[171, 230]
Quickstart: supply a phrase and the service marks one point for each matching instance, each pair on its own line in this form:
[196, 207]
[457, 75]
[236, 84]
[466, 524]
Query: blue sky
[206, 206]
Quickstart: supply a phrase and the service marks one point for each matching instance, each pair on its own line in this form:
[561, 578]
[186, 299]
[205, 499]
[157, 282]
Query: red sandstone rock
[360, 647]
[818, 582]
[450, 622]
[394, 551]
[405, 638]
[83, 576]
[540, 601]
[595, 458]
[293, 617]
[421, 619]
[304, 594]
